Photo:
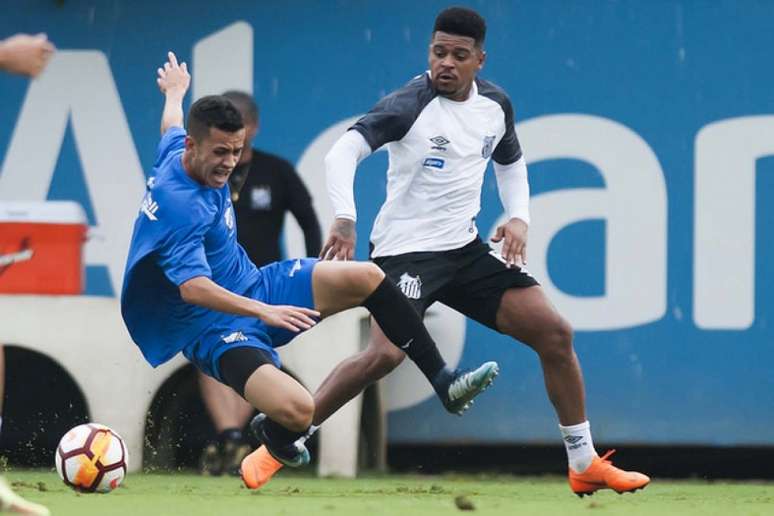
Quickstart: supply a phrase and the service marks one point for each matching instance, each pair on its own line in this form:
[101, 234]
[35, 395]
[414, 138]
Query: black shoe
[294, 455]
[233, 449]
[210, 462]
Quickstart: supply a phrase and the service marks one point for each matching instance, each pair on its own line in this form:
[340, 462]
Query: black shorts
[471, 279]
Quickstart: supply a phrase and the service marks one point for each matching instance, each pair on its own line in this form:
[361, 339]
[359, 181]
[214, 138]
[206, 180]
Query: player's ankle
[441, 382]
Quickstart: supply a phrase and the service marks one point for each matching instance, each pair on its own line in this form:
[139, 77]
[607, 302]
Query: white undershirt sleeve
[513, 187]
[340, 165]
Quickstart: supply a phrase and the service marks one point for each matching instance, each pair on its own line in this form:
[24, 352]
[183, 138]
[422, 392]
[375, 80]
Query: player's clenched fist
[173, 77]
[25, 54]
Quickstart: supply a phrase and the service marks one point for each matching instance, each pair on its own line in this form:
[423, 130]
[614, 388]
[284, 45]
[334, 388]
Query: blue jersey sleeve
[172, 140]
[179, 231]
[182, 256]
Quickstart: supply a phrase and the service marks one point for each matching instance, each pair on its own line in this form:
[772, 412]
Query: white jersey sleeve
[513, 187]
[340, 165]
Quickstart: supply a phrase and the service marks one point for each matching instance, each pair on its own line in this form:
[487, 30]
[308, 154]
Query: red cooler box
[41, 247]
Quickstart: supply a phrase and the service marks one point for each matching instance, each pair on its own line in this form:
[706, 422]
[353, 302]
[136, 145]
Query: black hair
[213, 111]
[245, 103]
[461, 21]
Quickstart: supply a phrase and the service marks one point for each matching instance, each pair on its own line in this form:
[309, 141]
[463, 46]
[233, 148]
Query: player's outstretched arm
[173, 80]
[513, 187]
[25, 55]
[340, 166]
[204, 292]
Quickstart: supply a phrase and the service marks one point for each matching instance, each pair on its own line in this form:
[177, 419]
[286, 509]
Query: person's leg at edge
[527, 315]
[10, 501]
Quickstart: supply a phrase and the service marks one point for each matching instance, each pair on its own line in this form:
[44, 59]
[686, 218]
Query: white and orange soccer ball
[92, 457]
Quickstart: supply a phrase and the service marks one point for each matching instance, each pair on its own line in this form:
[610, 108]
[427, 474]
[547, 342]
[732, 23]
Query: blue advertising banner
[646, 127]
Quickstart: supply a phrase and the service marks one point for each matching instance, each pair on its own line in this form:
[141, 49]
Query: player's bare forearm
[172, 116]
[173, 80]
[202, 291]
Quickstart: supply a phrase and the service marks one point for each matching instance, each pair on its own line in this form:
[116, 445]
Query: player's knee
[557, 341]
[372, 276]
[296, 414]
[363, 279]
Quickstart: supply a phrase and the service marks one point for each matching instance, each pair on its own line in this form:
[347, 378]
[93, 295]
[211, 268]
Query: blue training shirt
[183, 230]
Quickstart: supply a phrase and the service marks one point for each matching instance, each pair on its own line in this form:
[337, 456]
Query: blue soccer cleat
[466, 385]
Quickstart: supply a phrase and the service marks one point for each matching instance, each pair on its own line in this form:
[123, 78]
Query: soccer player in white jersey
[441, 130]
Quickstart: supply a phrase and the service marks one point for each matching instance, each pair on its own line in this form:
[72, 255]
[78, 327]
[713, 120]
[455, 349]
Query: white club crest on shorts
[410, 286]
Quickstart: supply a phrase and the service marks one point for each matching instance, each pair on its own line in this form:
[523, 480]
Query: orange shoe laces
[607, 454]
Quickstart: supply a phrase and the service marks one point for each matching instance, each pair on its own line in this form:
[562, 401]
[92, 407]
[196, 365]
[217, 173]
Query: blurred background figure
[263, 188]
[27, 55]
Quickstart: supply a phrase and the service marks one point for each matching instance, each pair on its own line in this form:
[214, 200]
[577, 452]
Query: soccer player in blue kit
[189, 286]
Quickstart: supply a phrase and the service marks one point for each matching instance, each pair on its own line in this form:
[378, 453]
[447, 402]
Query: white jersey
[438, 152]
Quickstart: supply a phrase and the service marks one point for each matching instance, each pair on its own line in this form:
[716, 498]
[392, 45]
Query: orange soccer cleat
[258, 468]
[601, 474]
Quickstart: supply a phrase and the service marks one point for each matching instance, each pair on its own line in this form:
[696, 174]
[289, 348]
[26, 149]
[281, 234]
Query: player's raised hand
[293, 318]
[341, 241]
[514, 236]
[173, 77]
[25, 54]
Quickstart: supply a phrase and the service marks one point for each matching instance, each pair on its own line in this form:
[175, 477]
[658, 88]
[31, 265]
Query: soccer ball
[91, 457]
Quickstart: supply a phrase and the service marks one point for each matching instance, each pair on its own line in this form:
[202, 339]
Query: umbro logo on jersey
[237, 336]
[410, 286]
[486, 150]
[433, 163]
[440, 141]
[149, 207]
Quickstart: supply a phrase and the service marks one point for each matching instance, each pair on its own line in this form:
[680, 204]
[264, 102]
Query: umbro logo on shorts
[410, 286]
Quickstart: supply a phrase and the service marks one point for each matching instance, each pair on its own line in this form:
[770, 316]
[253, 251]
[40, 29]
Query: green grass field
[187, 494]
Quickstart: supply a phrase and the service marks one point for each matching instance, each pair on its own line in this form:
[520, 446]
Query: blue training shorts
[288, 282]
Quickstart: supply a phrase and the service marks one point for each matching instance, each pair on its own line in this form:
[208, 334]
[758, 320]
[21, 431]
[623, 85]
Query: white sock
[579, 446]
